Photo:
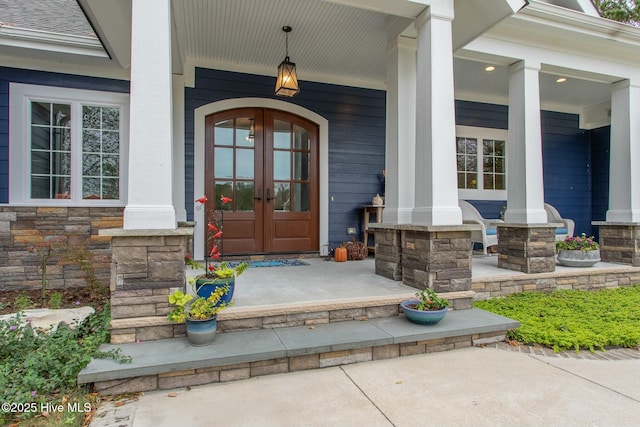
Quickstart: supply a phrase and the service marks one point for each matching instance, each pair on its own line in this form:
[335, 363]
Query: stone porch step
[234, 319]
[171, 363]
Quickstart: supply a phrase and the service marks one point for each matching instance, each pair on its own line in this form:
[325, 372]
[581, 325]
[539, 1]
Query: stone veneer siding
[21, 228]
[423, 256]
[619, 243]
[146, 265]
[529, 248]
[586, 279]
[389, 253]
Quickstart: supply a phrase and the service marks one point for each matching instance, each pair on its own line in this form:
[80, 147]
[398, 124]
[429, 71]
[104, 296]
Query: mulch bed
[71, 297]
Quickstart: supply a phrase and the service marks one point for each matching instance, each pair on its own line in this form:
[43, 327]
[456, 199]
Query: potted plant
[581, 251]
[216, 274]
[428, 310]
[200, 314]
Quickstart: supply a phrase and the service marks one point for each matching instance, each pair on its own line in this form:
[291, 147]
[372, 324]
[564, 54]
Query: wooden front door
[267, 162]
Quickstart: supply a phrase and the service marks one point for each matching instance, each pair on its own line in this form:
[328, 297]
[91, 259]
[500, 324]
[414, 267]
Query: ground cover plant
[573, 319]
[38, 374]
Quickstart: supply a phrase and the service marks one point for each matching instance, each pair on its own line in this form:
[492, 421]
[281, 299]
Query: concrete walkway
[467, 387]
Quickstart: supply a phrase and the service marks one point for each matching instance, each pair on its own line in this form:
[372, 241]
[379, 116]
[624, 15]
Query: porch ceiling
[333, 41]
[344, 42]
[329, 41]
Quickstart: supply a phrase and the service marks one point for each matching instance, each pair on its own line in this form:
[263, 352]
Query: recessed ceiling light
[561, 79]
[490, 68]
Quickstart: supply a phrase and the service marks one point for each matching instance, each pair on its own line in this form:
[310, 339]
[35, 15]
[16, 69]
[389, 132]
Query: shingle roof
[58, 16]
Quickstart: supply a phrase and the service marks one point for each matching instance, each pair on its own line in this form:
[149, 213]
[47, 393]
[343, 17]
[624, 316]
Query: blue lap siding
[16, 75]
[576, 161]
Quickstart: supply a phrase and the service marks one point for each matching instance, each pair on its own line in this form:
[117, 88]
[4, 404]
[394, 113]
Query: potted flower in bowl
[428, 310]
[581, 251]
[200, 314]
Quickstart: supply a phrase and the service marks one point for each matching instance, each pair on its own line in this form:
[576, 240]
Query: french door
[267, 162]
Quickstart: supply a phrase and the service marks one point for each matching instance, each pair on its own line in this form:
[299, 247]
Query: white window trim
[479, 134]
[20, 96]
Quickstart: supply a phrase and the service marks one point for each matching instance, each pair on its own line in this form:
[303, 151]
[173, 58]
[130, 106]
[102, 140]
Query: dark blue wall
[16, 75]
[566, 155]
[356, 137]
[567, 158]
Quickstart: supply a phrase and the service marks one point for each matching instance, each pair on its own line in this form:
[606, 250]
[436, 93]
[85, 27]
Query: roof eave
[572, 20]
[50, 41]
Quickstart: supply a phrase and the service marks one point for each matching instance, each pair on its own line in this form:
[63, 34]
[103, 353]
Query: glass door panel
[234, 162]
[291, 161]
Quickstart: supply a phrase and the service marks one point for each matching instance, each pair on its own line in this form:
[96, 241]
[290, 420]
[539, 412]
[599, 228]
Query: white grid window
[481, 163]
[67, 146]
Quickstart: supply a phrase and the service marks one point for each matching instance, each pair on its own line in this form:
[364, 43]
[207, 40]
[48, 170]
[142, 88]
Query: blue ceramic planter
[201, 332]
[205, 286]
[422, 317]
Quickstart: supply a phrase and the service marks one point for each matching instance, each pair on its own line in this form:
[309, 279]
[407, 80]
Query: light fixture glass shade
[287, 81]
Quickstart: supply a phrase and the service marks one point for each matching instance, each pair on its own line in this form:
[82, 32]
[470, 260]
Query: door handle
[259, 196]
[269, 195]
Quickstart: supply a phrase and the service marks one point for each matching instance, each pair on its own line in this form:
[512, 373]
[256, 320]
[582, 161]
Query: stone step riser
[147, 328]
[240, 371]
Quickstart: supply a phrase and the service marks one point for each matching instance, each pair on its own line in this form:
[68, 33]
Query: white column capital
[624, 84]
[523, 65]
[400, 43]
[442, 10]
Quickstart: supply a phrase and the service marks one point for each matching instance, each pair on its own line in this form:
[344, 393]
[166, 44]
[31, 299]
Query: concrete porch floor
[325, 281]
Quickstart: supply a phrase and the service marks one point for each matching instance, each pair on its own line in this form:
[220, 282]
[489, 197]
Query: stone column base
[388, 253]
[529, 248]
[619, 242]
[425, 256]
[145, 266]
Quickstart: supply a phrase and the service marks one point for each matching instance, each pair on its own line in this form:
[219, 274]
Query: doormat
[271, 263]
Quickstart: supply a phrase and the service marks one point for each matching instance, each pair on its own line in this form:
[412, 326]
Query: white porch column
[401, 125]
[150, 204]
[624, 174]
[525, 187]
[178, 148]
[436, 188]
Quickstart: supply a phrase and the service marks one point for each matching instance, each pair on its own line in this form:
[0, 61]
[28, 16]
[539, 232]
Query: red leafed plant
[213, 253]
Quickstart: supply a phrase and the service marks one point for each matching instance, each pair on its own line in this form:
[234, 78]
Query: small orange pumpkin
[340, 254]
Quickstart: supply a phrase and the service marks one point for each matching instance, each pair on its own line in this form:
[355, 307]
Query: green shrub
[23, 302]
[42, 369]
[55, 300]
[575, 319]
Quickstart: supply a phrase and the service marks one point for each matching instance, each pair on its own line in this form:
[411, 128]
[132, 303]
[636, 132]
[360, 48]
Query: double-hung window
[67, 146]
[481, 160]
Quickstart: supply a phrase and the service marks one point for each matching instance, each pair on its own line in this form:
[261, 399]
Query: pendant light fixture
[287, 81]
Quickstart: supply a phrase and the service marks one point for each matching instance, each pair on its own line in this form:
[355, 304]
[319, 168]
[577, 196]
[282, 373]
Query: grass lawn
[573, 319]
